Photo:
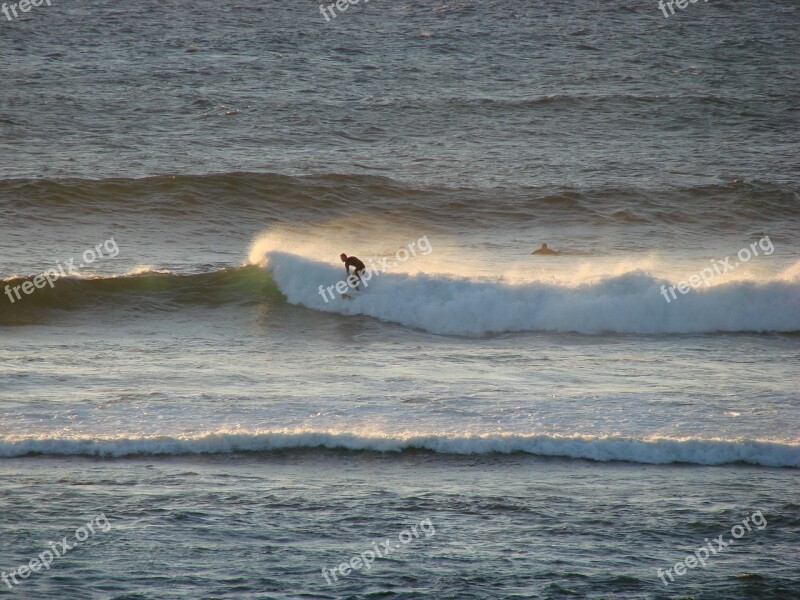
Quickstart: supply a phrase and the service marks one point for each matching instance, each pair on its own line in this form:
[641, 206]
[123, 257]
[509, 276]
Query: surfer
[358, 267]
[545, 250]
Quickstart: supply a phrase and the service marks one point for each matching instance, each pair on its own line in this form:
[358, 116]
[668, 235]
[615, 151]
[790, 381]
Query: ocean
[190, 408]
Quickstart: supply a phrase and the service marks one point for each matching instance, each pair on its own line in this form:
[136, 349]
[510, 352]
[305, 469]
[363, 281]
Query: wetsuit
[358, 267]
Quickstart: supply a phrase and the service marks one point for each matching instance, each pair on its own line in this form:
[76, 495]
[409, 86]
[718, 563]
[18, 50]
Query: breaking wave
[596, 448]
[467, 306]
[630, 303]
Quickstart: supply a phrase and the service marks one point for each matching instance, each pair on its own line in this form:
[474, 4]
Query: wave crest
[630, 303]
[596, 448]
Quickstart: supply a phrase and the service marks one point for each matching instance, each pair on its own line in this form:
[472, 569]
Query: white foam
[629, 303]
[597, 448]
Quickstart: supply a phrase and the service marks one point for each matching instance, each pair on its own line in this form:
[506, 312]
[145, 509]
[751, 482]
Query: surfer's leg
[353, 280]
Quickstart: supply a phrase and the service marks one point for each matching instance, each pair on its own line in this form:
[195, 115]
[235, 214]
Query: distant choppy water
[566, 430]
[488, 93]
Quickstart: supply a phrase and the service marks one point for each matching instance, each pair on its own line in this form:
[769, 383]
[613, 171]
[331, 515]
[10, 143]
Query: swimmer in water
[545, 250]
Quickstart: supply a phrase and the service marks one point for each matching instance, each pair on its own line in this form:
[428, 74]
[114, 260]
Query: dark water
[250, 527]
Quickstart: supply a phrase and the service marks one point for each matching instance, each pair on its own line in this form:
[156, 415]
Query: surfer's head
[343, 256]
[544, 246]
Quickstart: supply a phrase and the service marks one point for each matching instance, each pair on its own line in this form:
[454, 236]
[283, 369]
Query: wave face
[148, 290]
[630, 303]
[602, 449]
